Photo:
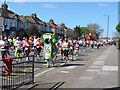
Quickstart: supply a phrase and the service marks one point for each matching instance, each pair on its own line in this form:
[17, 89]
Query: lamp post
[107, 25]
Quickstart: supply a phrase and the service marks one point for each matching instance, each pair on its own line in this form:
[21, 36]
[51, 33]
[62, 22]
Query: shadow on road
[48, 86]
[114, 88]
[66, 65]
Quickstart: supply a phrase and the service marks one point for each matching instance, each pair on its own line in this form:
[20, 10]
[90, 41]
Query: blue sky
[71, 13]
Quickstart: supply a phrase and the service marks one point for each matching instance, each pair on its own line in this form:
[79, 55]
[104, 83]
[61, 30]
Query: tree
[33, 30]
[95, 29]
[84, 30]
[118, 27]
[77, 31]
[115, 34]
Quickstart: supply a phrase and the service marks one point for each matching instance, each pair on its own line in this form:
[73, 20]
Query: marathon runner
[38, 48]
[18, 45]
[3, 47]
[71, 50]
[66, 46]
[60, 42]
[26, 46]
[77, 48]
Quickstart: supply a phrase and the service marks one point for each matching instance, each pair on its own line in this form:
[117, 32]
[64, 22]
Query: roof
[20, 17]
[34, 20]
[7, 13]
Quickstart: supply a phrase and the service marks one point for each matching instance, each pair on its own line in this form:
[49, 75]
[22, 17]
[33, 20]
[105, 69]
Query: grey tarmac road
[103, 73]
[72, 74]
[40, 66]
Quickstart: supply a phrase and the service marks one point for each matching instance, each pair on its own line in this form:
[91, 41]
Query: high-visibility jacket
[65, 46]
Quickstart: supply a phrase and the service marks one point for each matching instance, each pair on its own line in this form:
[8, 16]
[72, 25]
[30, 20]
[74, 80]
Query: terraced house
[14, 25]
[8, 21]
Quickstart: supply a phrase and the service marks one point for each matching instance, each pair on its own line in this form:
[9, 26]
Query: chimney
[34, 15]
[51, 21]
[62, 24]
[4, 6]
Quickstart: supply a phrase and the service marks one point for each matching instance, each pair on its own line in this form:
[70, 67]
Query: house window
[10, 24]
[6, 21]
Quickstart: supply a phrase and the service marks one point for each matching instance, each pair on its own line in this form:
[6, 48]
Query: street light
[107, 25]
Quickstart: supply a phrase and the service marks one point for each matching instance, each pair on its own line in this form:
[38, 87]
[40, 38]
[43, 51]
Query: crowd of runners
[32, 44]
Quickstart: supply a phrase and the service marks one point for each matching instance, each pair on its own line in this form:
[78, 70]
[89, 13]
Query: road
[89, 70]
[95, 69]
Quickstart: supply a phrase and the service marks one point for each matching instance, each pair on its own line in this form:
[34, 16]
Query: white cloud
[102, 5]
[48, 5]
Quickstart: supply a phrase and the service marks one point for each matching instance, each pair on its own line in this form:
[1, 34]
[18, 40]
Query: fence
[22, 73]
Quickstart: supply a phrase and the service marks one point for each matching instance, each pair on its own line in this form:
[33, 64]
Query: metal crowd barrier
[22, 73]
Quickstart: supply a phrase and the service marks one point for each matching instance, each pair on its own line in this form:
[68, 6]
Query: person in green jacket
[10, 41]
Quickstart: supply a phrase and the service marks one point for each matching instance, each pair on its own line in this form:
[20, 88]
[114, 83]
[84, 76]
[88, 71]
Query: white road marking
[98, 63]
[110, 68]
[96, 66]
[70, 67]
[85, 77]
[93, 70]
[64, 71]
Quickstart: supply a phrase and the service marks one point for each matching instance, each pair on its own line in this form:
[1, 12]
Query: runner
[66, 49]
[7, 46]
[18, 45]
[92, 44]
[26, 46]
[81, 44]
[3, 47]
[14, 39]
[10, 41]
[34, 41]
[71, 50]
[38, 48]
[60, 42]
[77, 49]
[98, 44]
[23, 41]
[84, 45]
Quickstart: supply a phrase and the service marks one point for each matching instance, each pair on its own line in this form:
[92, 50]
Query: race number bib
[26, 48]
[71, 47]
[38, 46]
[3, 46]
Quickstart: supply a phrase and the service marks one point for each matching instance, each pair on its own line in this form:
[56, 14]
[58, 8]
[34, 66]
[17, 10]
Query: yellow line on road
[44, 72]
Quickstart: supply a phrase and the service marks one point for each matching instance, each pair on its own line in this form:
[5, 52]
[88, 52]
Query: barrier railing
[22, 73]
